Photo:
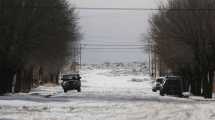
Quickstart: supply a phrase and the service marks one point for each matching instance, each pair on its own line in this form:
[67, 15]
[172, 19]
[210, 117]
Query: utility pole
[80, 55]
[153, 62]
[149, 45]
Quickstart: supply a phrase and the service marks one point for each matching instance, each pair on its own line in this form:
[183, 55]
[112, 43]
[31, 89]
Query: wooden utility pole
[80, 55]
[150, 52]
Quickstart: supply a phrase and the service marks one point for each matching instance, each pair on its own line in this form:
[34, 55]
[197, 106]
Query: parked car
[172, 85]
[157, 84]
[71, 82]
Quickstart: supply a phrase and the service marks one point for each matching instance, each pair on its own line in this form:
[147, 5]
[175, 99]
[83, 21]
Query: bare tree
[183, 32]
[34, 34]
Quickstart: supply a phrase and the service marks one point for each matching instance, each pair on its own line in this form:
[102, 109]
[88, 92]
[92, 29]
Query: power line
[93, 51]
[115, 48]
[117, 45]
[116, 8]
[121, 9]
[112, 42]
[146, 9]
[108, 48]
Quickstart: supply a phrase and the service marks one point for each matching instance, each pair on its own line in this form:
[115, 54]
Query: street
[105, 95]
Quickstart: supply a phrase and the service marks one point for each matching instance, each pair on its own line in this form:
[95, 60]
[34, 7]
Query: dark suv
[71, 82]
[172, 85]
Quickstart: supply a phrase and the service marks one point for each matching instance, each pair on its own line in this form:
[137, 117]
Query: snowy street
[105, 95]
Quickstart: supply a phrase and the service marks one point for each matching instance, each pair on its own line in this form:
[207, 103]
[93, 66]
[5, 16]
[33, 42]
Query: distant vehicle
[172, 85]
[71, 82]
[157, 84]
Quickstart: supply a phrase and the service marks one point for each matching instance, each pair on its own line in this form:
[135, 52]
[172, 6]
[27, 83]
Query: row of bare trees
[36, 37]
[183, 33]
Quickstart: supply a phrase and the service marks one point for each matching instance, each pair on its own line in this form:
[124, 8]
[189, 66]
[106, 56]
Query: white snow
[107, 94]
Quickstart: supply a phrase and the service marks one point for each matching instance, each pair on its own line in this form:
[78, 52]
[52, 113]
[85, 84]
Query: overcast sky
[114, 27]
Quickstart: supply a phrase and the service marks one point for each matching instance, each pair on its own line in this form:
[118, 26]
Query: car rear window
[175, 81]
[70, 76]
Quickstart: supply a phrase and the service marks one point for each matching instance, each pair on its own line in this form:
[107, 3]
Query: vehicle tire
[154, 90]
[79, 89]
[161, 93]
[65, 91]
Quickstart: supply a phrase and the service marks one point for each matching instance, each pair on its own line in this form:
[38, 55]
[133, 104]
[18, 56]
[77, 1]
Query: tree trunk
[18, 81]
[57, 78]
[24, 80]
[210, 85]
[6, 80]
[41, 75]
[196, 86]
[28, 78]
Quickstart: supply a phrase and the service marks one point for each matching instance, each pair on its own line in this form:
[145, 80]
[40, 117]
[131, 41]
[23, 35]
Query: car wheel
[65, 91]
[161, 93]
[79, 89]
[154, 90]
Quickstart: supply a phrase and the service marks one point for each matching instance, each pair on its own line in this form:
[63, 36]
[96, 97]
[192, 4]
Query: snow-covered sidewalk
[104, 96]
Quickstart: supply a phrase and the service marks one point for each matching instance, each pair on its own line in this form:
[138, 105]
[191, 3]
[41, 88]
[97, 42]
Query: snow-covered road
[104, 96]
